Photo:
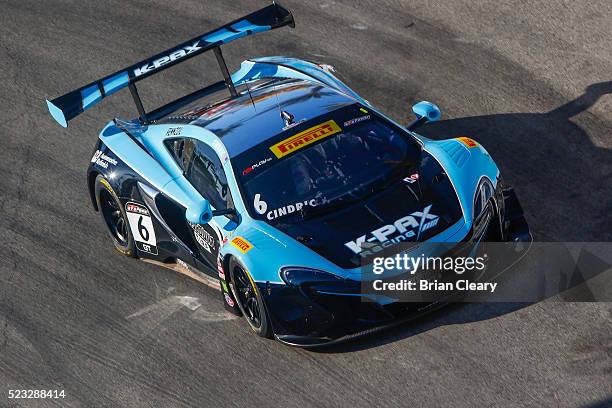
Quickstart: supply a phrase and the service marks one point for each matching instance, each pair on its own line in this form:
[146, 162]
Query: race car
[279, 181]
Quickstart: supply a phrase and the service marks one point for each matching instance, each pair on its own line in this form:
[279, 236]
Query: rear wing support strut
[226, 75]
[138, 102]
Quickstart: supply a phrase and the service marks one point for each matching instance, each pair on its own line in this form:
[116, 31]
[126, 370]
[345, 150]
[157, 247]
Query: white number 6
[260, 205]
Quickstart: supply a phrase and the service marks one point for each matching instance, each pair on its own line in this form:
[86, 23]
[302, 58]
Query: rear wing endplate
[70, 105]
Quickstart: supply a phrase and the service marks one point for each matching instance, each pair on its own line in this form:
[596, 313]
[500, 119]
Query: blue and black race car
[279, 181]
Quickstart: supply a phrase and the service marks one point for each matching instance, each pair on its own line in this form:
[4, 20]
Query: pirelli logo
[305, 138]
[467, 141]
[242, 244]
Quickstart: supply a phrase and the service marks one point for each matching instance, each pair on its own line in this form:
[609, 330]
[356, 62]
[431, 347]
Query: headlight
[296, 276]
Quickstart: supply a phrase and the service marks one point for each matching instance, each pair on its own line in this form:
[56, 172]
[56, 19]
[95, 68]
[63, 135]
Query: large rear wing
[66, 107]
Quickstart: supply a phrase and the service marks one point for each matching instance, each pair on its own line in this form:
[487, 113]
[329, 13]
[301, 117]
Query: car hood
[419, 205]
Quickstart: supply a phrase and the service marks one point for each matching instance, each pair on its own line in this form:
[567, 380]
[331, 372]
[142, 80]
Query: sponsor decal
[356, 120]
[182, 263]
[289, 209]
[305, 138]
[220, 269]
[412, 178]
[228, 299]
[174, 131]
[141, 226]
[405, 228]
[136, 208]
[102, 160]
[327, 67]
[242, 244]
[178, 54]
[256, 165]
[203, 237]
[467, 141]
[262, 207]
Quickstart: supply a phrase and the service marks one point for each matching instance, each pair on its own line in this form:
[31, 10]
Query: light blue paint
[153, 139]
[199, 212]
[57, 114]
[464, 177]
[272, 249]
[131, 154]
[314, 72]
[115, 83]
[223, 35]
[245, 25]
[456, 150]
[427, 110]
[250, 71]
[90, 95]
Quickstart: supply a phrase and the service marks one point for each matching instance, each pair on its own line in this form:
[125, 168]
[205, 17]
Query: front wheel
[249, 300]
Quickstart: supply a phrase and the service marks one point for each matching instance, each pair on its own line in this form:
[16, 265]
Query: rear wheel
[114, 217]
[249, 300]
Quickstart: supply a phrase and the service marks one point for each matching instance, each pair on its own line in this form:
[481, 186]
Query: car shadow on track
[559, 171]
[457, 313]
[581, 277]
[555, 165]
[604, 403]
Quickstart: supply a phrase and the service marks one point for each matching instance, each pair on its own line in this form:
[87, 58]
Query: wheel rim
[113, 216]
[245, 291]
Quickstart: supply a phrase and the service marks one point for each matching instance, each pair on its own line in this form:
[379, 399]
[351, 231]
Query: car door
[204, 171]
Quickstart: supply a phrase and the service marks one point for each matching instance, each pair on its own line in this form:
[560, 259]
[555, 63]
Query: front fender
[465, 162]
[267, 250]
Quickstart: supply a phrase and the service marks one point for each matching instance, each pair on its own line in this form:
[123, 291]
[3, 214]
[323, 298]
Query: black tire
[494, 231]
[249, 299]
[114, 217]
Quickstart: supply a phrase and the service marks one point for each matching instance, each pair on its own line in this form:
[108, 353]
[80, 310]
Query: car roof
[254, 115]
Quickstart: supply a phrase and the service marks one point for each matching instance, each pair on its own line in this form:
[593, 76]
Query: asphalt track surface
[529, 80]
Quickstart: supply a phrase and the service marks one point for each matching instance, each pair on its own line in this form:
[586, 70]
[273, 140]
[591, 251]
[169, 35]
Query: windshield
[324, 165]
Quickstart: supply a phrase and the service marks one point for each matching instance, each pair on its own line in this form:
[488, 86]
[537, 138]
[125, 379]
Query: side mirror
[425, 112]
[199, 213]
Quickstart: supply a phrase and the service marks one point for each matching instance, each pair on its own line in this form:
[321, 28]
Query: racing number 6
[260, 205]
[144, 233]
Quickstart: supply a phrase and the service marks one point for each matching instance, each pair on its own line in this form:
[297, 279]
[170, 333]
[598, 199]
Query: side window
[206, 174]
[182, 150]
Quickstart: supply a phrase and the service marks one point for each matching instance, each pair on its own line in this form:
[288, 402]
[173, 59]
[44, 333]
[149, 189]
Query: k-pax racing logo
[401, 230]
[180, 53]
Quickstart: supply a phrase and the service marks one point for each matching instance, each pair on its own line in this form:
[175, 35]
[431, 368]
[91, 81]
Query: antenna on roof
[288, 118]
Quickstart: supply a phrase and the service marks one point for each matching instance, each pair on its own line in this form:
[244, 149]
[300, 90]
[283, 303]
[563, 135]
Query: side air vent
[457, 151]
